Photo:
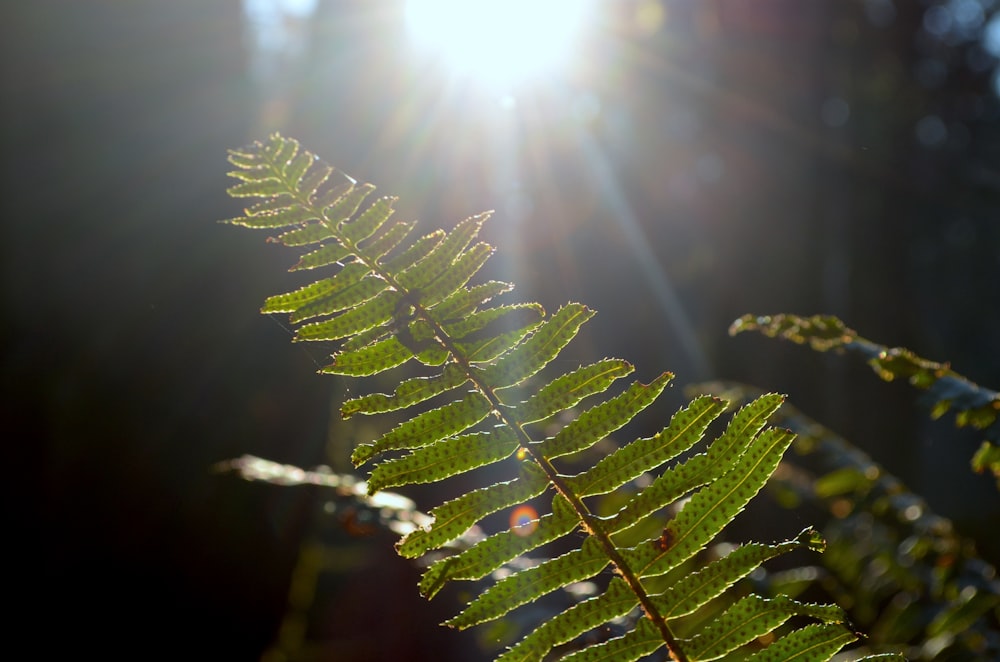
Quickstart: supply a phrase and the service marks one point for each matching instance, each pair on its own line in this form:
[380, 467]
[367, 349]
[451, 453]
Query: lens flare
[524, 520]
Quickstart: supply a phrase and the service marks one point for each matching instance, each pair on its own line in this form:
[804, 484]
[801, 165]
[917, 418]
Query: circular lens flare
[499, 42]
[523, 520]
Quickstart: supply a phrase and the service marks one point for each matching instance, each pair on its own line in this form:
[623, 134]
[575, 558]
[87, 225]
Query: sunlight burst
[499, 41]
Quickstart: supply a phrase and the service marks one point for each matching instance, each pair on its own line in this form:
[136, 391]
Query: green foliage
[902, 572]
[945, 389]
[490, 395]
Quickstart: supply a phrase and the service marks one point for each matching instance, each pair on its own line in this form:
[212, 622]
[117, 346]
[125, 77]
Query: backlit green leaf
[696, 589]
[629, 462]
[457, 275]
[541, 347]
[603, 419]
[749, 618]
[454, 518]
[347, 204]
[813, 643]
[489, 554]
[700, 469]
[428, 427]
[532, 583]
[342, 299]
[292, 301]
[377, 247]
[369, 360]
[714, 506]
[304, 235]
[369, 222]
[569, 389]
[616, 601]
[389, 299]
[369, 314]
[466, 300]
[432, 265]
[641, 641]
[445, 458]
[322, 256]
[408, 393]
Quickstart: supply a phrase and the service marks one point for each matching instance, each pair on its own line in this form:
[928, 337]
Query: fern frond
[388, 300]
[946, 390]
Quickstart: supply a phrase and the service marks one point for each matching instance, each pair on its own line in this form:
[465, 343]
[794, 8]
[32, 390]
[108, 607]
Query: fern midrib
[590, 521]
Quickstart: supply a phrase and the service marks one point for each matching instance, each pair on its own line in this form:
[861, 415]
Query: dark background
[700, 162]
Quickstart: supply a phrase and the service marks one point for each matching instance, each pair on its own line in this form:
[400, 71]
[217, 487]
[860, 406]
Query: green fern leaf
[345, 205]
[445, 458]
[310, 233]
[458, 274]
[440, 258]
[489, 554]
[714, 506]
[640, 641]
[275, 204]
[308, 183]
[454, 517]
[343, 298]
[384, 243]
[417, 251]
[428, 427]
[304, 162]
[258, 188]
[603, 419]
[702, 468]
[410, 392]
[532, 583]
[813, 643]
[748, 619]
[616, 601]
[695, 590]
[569, 389]
[282, 218]
[392, 299]
[279, 151]
[544, 345]
[492, 322]
[361, 318]
[629, 462]
[253, 174]
[369, 360]
[322, 257]
[368, 223]
[481, 346]
[290, 302]
[466, 300]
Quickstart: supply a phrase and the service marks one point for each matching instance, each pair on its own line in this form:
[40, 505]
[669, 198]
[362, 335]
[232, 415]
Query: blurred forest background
[698, 161]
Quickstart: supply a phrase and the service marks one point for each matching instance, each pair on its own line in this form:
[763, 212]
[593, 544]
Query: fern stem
[589, 520]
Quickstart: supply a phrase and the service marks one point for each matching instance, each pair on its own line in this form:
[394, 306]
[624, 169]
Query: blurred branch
[945, 389]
